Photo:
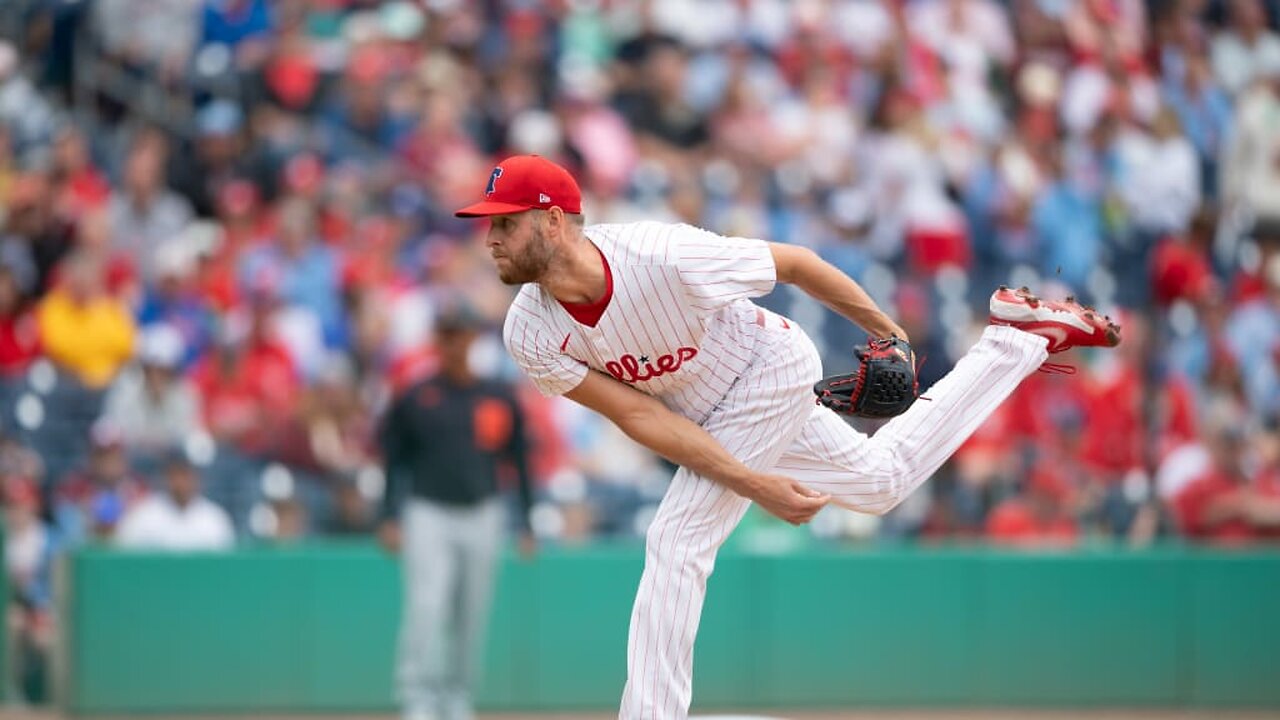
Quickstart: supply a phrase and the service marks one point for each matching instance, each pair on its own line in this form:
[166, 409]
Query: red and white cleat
[1065, 324]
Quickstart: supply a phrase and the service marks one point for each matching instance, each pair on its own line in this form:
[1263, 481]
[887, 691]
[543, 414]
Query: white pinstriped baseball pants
[769, 421]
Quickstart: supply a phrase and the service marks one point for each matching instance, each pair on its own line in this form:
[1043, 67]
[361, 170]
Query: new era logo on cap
[526, 182]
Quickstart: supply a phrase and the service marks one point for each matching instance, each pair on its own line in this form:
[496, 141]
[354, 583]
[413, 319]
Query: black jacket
[453, 444]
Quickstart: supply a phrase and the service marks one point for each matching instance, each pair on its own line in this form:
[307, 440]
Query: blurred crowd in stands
[225, 227]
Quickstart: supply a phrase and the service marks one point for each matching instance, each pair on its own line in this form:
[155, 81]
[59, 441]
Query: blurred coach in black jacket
[446, 441]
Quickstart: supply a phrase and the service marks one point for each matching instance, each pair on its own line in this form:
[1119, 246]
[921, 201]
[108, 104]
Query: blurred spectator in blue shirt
[301, 272]
[232, 22]
[1204, 112]
[174, 299]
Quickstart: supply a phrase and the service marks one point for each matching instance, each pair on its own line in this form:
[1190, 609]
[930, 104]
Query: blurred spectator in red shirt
[19, 334]
[1038, 517]
[241, 225]
[82, 186]
[1180, 267]
[290, 77]
[1225, 505]
[248, 383]
[1125, 406]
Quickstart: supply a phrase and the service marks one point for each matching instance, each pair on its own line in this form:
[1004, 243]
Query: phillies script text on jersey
[628, 369]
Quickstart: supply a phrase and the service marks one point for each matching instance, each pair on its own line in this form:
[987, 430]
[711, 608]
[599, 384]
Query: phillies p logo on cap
[528, 182]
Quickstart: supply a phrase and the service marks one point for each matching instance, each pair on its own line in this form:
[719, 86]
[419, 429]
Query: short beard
[530, 265]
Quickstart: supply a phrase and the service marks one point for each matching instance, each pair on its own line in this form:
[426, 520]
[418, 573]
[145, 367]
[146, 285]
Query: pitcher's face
[519, 246]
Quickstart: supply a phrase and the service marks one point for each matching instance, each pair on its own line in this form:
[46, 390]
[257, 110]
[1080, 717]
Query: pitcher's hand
[787, 499]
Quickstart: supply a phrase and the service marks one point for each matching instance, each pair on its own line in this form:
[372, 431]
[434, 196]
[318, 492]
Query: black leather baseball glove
[884, 385]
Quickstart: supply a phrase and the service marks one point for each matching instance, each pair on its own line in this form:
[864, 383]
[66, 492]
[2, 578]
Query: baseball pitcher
[652, 325]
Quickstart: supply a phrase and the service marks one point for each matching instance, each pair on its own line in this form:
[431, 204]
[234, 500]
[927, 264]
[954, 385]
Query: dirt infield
[10, 714]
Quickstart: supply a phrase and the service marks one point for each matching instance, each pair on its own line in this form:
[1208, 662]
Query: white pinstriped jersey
[679, 326]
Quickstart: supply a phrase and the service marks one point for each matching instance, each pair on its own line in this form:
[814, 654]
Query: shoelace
[1057, 369]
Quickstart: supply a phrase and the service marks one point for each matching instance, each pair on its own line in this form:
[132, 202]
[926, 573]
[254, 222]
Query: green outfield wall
[313, 629]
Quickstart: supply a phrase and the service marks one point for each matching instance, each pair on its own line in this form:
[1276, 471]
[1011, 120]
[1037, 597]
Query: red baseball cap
[525, 182]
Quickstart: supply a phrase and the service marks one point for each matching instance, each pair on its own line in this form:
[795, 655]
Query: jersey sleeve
[531, 344]
[716, 270]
